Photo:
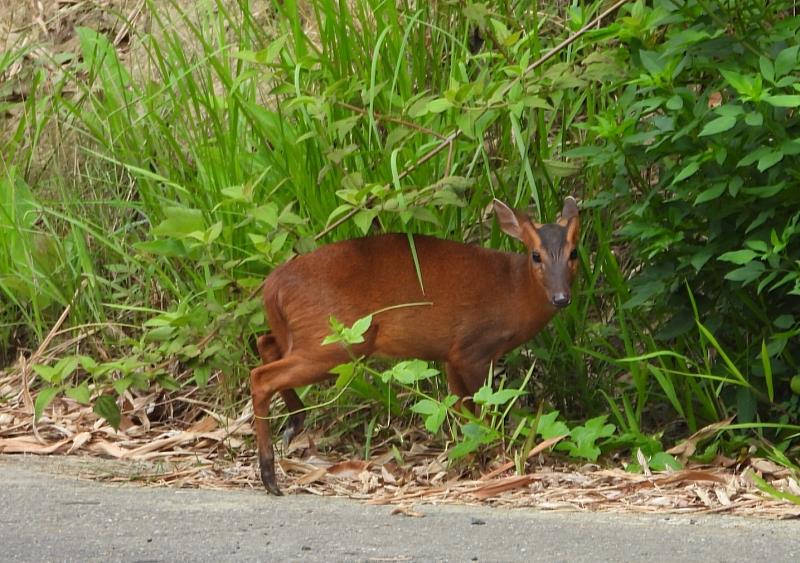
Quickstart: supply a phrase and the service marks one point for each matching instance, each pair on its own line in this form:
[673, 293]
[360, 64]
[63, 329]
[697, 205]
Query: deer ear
[570, 209]
[508, 219]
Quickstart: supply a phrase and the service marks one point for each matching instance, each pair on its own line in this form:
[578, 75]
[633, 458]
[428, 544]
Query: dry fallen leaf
[686, 449]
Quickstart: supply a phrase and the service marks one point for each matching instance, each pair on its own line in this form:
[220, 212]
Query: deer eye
[574, 254]
[536, 257]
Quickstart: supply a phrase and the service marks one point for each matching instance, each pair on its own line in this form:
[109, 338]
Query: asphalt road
[57, 517]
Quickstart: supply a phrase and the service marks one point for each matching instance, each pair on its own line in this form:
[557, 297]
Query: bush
[704, 151]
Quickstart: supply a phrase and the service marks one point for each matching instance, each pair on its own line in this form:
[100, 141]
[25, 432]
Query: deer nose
[561, 300]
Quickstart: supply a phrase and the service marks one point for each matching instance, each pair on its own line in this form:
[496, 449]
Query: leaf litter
[194, 446]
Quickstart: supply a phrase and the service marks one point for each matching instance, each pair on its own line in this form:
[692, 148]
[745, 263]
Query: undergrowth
[148, 190]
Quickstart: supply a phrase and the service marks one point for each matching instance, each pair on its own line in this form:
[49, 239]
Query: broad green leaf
[48, 373]
[266, 214]
[739, 82]
[687, 171]
[769, 160]
[786, 61]
[344, 374]
[503, 396]
[718, 125]
[106, 407]
[747, 273]
[550, 427]
[738, 256]
[783, 101]
[652, 61]
[439, 105]
[43, 398]
[434, 413]
[410, 371]
[661, 461]
[363, 219]
[180, 222]
[80, 393]
[711, 193]
[754, 119]
[361, 326]
[482, 395]
[675, 103]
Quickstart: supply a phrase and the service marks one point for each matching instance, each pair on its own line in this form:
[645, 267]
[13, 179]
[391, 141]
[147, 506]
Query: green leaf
[766, 365]
[345, 374]
[49, 374]
[361, 326]
[169, 247]
[582, 443]
[783, 100]
[767, 69]
[476, 13]
[59, 372]
[43, 398]
[675, 103]
[410, 371]
[363, 219]
[754, 119]
[201, 375]
[770, 490]
[769, 160]
[653, 62]
[687, 171]
[550, 427]
[786, 61]
[266, 214]
[738, 256]
[180, 222]
[661, 461]
[434, 413]
[80, 393]
[711, 193]
[746, 274]
[482, 395]
[504, 396]
[739, 82]
[439, 105]
[106, 407]
[718, 125]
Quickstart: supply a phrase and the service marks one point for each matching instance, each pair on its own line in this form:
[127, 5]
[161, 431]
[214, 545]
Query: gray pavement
[58, 517]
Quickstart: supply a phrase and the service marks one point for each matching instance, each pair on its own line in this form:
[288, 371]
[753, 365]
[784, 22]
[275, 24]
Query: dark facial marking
[554, 238]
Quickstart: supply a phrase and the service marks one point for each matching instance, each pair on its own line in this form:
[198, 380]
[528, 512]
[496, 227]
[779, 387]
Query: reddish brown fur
[477, 304]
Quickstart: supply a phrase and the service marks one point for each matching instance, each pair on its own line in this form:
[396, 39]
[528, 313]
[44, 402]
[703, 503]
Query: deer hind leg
[270, 351]
[293, 370]
[464, 378]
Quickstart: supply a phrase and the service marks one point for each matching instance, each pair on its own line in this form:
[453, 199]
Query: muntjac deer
[477, 304]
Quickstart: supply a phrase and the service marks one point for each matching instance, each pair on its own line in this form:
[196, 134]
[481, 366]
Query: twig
[391, 119]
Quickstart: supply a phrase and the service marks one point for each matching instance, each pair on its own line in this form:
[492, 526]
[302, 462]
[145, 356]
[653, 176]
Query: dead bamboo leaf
[314, 475]
[508, 484]
[29, 445]
[78, 441]
[686, 449]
